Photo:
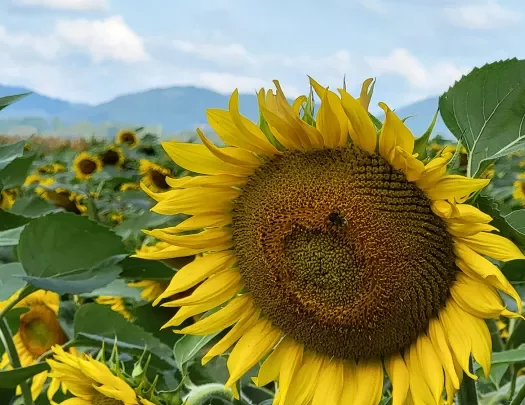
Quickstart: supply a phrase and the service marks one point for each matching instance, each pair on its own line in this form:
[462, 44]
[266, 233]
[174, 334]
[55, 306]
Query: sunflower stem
[467, 394]
[7, 340]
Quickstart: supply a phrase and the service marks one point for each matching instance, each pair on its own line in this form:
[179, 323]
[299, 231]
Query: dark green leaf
[9, 220]
[140, 269]
[15, 173]
[11, 236]
[10, 152]
[117, 288]
[9, 282]
[12, 378]
[188, 347]
[13, 318]
[516, 220]
[487, 108]
[62, 242]
[133, 226]
[32, 207]
[421, 143]
[151, 319]
[8, 100]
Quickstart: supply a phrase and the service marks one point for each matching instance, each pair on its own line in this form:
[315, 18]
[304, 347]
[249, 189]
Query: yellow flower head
[116, 217]
[85, 165]
[112, 156]
[129, 186]
[39, 330]
[117, 304]
[68, 200]
[519, 188]
[51, 168]
[333, 250]
[155, 176]
[7, 199]
[128, 137]
[90, 381]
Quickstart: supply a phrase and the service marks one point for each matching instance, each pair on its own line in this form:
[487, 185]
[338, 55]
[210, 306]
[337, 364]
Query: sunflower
[7, 199]
[519, 187]
[129, 186]
[160, 251]
[36, 179]
[90, 381]
[128, 137]
[335, 251]
[117, 304]
[39, 330]
[68, 200]
[85, 165]
[151, 289]
[112, 156]
[116, 217]
[52, 168]
[154, 176]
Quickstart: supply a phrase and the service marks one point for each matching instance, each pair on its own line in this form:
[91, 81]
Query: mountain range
[173, 109]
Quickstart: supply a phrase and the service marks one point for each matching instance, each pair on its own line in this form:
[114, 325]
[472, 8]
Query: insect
[336, 218]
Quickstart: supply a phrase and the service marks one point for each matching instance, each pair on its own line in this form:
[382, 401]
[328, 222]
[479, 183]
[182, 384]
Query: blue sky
[93, 50]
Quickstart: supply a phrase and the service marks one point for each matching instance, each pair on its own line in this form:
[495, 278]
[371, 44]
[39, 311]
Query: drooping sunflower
[112, 156]
[90, 381]
[68, 200]
[154, 176]
[335, 251]
[85, 165]
[128, 137]
[519, 188]
[7, 199]
[39, 330]
[117, 304]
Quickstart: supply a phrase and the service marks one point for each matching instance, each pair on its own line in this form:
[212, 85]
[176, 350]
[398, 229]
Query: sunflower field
[322, 255]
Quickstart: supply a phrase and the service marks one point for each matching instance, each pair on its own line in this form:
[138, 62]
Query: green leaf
[10, 152]
[80, 281]
[8, 100]
[15, 173]
[188, 347]
[377, 123]
[151, 319]
[9, 282]
[508, 356]
[487, 108]
[516, 220]
[117, 288]
[11, 221]
[12, 378]
[421, 143]
[140, 269]
[13, 318]
[59, 243]
[32, 207]
[96, 323]
[146, 220]
[11, 236]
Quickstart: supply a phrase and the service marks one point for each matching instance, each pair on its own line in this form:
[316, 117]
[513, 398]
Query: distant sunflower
[52, 168]
[68, 200]
[112, 156]
[116, 217]
[86, 165]
[129, 186]
[39, 330]
[117, 304]
[154, 176]
[7, 199]
[151, 289]
[90, 381]
[337, 252]
[128, 137]
[519, 188]
[36, 179]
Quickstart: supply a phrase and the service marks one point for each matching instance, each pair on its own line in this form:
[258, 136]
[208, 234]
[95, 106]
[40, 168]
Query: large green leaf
[32, 207]
[59, 243]
[146, 220]
[96, 323]
[9, 280]
[11, 236]
[508, 356]
[140, 269]
[486, 109]
[12, 378]
[11, 221]
[15, 173]
[8, 100]
[117, 288]
[10, 152]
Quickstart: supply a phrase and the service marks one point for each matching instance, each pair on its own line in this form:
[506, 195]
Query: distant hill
[173, 109]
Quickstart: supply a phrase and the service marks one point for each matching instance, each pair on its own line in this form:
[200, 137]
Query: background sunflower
[86, 165]
[127, 137]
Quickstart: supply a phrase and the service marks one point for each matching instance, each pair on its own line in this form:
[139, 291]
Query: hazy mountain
[173, 109]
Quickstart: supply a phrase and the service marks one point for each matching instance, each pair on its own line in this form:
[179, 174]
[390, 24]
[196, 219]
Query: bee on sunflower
[154, 176]
[39, 330]
[128, 137]
[85, 165]
[401, 287]
[112, 156]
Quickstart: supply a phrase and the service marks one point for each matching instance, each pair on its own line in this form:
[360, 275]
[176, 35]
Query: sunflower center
[522, 186]
[40, 329]
[87, 166]
[110, 158]
[341, 252]
[128, 138]
[101, 399]
[159, 179]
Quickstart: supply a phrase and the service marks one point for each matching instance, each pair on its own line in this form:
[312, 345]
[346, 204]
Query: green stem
[514, 378]
[497, 341]
[520, 396]
[7, 340]
[467, 394]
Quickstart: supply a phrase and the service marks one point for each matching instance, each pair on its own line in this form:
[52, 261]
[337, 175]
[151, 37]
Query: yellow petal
[362, 132]
[193, 201]
[271, 367]
[171, 252]
[303, 384]
[462, 230]
[399, 377]
[455, 187]
[298, 103]
[200, 222]
[289, 368]
[349, 386]
[369, 382]
[411, 166]
[221, 319]
[153, 195]
[197, 158]
[329, 383]
[395, 133]
[220, 180]
[419, 388]
[327, 123]
[251, 347]
[235, 333]
[439, 341]
[467, 213]
[209, 238]
[434, 170]
[367, 89]
[196, 271]
[431, 366]
[492, 245]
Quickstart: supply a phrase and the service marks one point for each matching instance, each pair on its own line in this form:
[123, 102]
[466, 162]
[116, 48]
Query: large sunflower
[85, 165]
[90, 381]
[39, 330]
[335, 251]
[112, 156]
[128, 137]
[154, 176]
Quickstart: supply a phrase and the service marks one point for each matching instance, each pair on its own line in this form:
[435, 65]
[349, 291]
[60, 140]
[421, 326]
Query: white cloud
[486, 15]
[46, 47]
[217, 53]
[71, 5]
[429, 79]
[377, 6]
[107, 39]
[226, 82]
